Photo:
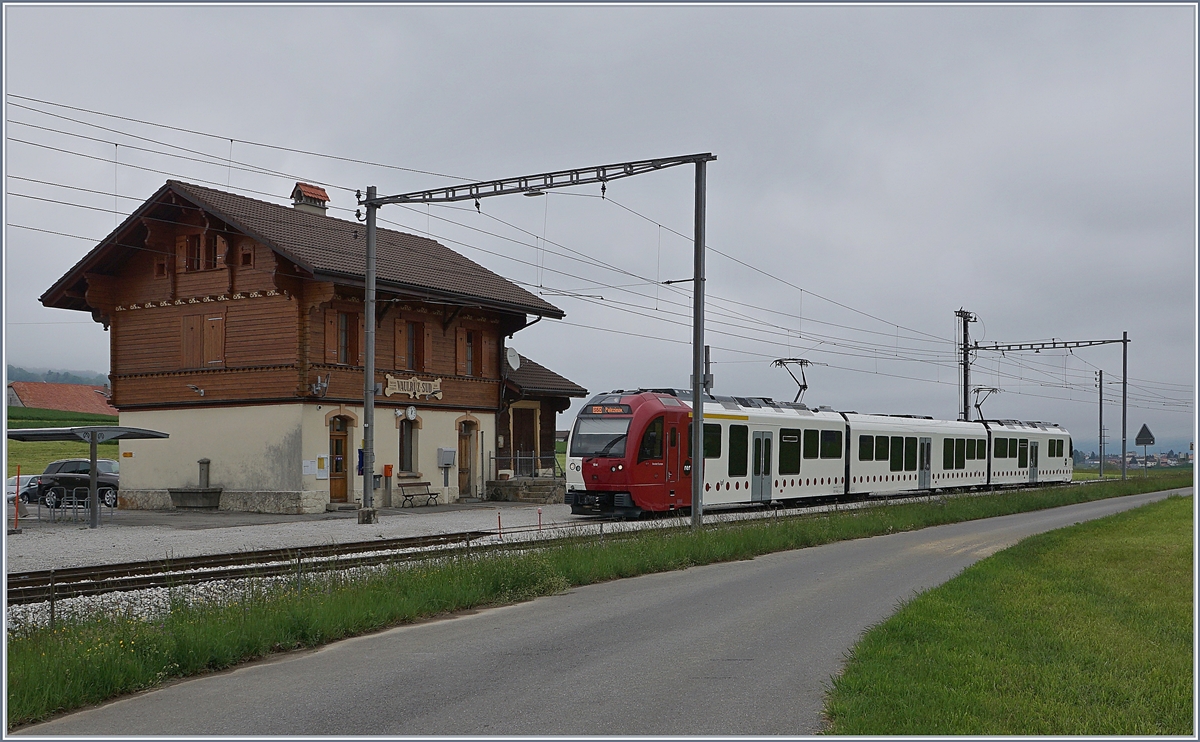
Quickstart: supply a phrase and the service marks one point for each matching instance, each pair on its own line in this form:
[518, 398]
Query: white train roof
[765, 408]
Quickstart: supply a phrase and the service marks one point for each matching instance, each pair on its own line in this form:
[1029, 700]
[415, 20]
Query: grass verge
[1082, 631]
[86, 662]
[32, 456]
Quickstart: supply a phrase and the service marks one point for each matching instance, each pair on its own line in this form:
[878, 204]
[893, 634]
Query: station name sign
[413, 387]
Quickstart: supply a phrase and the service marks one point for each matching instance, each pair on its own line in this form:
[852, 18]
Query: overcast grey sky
[1035, 165]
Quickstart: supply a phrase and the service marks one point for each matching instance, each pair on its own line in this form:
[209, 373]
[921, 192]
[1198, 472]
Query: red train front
[629, 453]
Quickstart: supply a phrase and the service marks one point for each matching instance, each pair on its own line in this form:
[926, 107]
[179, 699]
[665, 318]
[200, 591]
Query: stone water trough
[203, 497]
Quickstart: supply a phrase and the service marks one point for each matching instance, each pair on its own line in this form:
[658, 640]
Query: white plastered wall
[434, 429]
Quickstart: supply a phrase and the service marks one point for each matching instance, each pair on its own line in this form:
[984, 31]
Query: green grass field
[1081, 631]
[32, 457]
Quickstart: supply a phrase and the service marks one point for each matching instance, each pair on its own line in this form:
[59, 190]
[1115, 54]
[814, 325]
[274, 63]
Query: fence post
[52, 599]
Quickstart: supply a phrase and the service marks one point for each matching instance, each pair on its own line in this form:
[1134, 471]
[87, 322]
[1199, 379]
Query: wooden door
[524, 448]
[337, 460]
[466, 435]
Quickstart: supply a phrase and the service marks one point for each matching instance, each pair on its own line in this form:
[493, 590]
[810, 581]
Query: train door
[924, 463]
[1033, 461]
[674, 465]
[760, 483]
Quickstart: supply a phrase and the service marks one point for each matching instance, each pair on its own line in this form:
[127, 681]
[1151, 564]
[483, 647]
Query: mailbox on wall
[445, 461]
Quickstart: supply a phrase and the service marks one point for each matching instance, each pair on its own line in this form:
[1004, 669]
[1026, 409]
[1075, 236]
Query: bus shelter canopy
[85, 433]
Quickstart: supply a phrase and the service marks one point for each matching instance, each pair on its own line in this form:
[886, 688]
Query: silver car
[27, 488]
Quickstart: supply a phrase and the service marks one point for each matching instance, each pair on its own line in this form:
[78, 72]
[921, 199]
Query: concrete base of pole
[13, 531]
[367, 516]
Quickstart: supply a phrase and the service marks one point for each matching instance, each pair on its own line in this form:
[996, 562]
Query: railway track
[46, 585]
[56, 584]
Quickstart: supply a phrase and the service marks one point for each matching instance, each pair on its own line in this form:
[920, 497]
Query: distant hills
[57, 377]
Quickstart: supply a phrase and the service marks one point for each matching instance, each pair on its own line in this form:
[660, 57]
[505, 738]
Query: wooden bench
[409, 490]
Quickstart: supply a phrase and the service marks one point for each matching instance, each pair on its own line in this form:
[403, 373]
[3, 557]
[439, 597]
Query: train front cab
[632, 457]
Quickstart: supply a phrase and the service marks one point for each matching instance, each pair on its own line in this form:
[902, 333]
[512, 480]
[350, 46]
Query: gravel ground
[139, 535]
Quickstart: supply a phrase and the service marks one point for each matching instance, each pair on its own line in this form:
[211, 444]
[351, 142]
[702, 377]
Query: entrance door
[674, 465]
[760, 482]
[1033, 461]
[524, 443]
[337, 459]
[924, 463]
[466, 436]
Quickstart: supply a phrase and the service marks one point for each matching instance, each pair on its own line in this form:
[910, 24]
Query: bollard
[499, 527]
[52, 599]
[539, 519]
[203, 473]
[17, 503]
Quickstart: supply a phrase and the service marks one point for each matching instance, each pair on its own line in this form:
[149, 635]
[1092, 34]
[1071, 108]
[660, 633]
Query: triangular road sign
[1145, 437]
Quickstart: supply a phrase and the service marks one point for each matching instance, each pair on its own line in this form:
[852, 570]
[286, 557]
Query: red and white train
[630, 452]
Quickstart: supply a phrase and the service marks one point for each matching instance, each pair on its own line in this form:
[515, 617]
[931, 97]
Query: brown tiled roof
[68, 397]
[337, 248]
[311, 191]
[534, 378]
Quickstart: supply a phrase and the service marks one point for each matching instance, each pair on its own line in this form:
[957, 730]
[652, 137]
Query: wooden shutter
[362, 341]
[331, 336]
[181, 253]
[192, 341]
[401, 339]
[214, 339]
[460, 352]
[490, 356]
[427, 361]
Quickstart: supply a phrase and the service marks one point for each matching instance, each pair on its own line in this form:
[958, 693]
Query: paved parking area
[133, 535]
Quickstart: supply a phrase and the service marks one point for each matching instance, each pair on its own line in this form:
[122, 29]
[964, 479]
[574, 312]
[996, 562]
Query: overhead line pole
[369, 369]
[534, 185]
[1124, 395]
[698, 351]
[967, 318]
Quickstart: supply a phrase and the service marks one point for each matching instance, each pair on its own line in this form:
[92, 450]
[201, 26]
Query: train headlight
[612, 468]
[620, 467]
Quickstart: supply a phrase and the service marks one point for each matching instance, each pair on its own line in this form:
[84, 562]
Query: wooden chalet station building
[236, 326]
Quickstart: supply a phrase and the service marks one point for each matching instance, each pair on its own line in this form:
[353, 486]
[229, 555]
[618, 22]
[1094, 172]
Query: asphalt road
[739, 648]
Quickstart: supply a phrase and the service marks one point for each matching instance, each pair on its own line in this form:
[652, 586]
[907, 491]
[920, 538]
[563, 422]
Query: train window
[739, 436]
[948, 454]
[1058, 448]
[712, 440]
[881, 448]
[1023, 453]
[758, 455]
[812, 444]
[599, 436]
[960, 453]
[652, 442]
[672, 439]
[1002, 448]
[866, 449]
[897, 458]
[910, 454]
[1071, 448]
[831, 444]
[981, 449]
[789, 451]
[970, 449]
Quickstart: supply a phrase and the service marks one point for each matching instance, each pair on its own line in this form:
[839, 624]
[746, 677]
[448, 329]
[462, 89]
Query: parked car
[66, 481]
[26, 490]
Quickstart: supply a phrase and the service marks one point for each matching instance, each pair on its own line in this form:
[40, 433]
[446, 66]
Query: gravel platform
[139, 535]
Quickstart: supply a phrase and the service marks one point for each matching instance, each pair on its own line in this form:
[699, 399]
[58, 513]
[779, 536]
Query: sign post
[1144, 438]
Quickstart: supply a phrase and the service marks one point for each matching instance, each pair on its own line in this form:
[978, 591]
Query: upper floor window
[347, 338]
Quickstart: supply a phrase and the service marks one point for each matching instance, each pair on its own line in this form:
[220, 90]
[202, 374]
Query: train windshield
[600, 436]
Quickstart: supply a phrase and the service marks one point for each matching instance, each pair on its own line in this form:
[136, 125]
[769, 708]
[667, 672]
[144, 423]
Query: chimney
[309, 198]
